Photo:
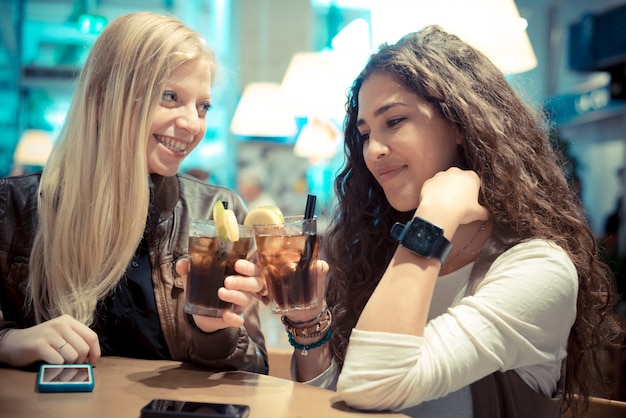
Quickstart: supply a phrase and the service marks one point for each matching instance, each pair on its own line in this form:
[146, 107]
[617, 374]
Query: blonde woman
[89, 248]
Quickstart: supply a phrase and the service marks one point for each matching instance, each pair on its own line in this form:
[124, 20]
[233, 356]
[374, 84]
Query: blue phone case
[65, 378]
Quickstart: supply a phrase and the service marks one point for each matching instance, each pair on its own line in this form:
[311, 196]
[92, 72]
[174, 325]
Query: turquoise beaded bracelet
[304, 348]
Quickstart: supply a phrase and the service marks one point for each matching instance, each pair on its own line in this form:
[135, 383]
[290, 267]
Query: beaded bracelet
[287, 322]
[312, 331]
[304, 348]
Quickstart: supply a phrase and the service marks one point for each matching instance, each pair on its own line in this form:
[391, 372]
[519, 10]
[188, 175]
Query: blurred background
[285, 65]
[274, 132]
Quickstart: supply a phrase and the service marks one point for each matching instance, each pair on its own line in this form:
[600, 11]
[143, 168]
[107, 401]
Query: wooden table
[123, 386]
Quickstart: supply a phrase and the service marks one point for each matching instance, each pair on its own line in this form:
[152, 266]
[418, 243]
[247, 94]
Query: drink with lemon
[214, 247]
[287, 251]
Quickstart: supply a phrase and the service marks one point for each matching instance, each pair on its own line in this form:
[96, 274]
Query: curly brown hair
[506, 142]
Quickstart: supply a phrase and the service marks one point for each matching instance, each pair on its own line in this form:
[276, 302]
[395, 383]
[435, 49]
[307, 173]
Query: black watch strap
[422, 238]
[396, 230]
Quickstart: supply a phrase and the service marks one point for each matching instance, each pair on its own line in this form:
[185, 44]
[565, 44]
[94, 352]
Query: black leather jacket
[174, 201]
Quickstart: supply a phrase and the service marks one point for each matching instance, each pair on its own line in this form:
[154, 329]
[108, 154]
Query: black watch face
[421, 236]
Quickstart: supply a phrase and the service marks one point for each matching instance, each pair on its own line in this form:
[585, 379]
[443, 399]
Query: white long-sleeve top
[519, 317]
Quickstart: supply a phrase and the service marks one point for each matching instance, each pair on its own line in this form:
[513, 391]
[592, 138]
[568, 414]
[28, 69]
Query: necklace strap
[481, 228]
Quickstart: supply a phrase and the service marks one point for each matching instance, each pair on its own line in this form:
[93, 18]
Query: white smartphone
[65, 378]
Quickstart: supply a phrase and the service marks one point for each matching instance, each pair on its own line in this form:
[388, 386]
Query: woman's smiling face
[179, 120]
[405, 140]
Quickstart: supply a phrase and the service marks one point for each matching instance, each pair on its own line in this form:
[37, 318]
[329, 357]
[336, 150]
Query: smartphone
[165, 408]
[65, 378]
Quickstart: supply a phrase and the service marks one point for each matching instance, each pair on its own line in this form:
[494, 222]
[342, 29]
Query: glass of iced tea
[288, 252]
[212, 260]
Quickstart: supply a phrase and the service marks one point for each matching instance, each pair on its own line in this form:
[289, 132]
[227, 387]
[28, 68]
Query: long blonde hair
[94, 194]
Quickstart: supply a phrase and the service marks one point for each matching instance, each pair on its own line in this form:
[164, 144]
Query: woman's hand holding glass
[254, 272]
[239, 290]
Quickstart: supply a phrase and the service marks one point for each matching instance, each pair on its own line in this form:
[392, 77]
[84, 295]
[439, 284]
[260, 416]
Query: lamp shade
[316, 83]
[33, 149]
[491, 26]
[318, 140]
[258, 113]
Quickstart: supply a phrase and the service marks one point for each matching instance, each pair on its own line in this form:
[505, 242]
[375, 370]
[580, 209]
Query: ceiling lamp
[492, 26]
[33, 149]
[316, 83]
[318, 140]
[258, 113]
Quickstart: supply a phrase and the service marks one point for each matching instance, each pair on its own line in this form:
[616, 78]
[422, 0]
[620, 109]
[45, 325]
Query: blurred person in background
[252, 186]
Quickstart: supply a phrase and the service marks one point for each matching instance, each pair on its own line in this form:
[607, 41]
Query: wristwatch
[422, 238]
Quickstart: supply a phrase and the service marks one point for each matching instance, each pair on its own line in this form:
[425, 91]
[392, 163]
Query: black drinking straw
[309, 210]
[309, 246]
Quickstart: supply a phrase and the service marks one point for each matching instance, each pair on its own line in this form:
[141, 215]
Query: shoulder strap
[496, 244]
[505, 394]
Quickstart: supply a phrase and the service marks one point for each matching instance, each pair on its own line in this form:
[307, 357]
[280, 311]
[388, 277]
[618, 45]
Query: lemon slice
[264, 215]
[275, 209]
[231, 225]
[225, 223]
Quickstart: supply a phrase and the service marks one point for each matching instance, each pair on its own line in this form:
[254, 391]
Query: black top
[127, 322]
